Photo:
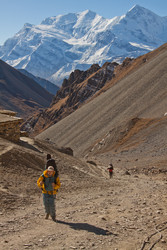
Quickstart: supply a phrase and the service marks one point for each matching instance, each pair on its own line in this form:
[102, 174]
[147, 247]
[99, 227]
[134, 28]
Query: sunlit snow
[63, 43]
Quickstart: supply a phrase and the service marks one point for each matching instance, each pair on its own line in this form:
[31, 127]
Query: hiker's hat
[50, 168]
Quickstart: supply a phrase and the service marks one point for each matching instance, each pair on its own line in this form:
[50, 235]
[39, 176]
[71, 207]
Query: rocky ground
[128, 211]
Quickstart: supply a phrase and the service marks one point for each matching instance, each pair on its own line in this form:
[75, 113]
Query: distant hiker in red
[110, 169]
[49, 183]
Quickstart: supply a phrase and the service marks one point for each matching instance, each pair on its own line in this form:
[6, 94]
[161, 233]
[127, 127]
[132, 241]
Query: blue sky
[15, 13]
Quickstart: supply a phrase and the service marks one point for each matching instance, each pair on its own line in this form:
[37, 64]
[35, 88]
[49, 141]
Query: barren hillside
[140, 94]
[80, 87]
[126, 212]
[125, 125]
[20, 93]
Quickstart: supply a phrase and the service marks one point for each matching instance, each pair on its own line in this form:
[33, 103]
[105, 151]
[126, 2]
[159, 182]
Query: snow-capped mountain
[61, 44]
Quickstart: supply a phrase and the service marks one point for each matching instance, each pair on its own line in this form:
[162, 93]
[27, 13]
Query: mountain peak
[88, 13]
[28, 25]
[85, 16]
[137, 8]
[138, 11]
[56, 20]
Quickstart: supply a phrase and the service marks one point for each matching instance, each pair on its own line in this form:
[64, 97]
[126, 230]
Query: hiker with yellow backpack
[49, 182]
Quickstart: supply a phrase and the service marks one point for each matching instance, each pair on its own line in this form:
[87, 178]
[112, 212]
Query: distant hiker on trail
[51, 162]
[110, 169]
[49, 183]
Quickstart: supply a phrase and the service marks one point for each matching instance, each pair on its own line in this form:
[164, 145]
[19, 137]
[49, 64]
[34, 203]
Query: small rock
[127, 172]
[103, 218]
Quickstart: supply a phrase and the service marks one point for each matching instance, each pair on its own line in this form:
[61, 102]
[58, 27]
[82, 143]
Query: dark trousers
[110, 174]
[49, 204]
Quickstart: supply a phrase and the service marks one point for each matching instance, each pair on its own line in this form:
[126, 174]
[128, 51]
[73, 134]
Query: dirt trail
[98, 213]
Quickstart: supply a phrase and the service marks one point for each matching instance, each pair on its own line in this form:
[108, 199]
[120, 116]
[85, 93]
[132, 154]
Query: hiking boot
[54, 218]
[46, 216]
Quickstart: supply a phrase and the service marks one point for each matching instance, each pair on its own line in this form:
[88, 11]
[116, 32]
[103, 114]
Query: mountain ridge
[83, 86]
[142, 94]
[20, 93]
[59, 45]
[49, 86]
[75, 91]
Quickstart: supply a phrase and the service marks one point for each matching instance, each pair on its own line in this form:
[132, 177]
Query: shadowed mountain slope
[142, 93]
[20, 93]
[49, 86]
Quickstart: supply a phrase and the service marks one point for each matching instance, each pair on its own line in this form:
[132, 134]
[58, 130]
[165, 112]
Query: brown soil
[128, 211]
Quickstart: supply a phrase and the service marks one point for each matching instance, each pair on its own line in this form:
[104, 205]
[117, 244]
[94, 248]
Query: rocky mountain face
[80, 86]
[49, 86]
[20, 93]
[61, 44]
[129, 117]
[83, 84]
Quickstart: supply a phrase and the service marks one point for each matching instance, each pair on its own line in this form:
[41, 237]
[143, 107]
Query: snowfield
[64, 43]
